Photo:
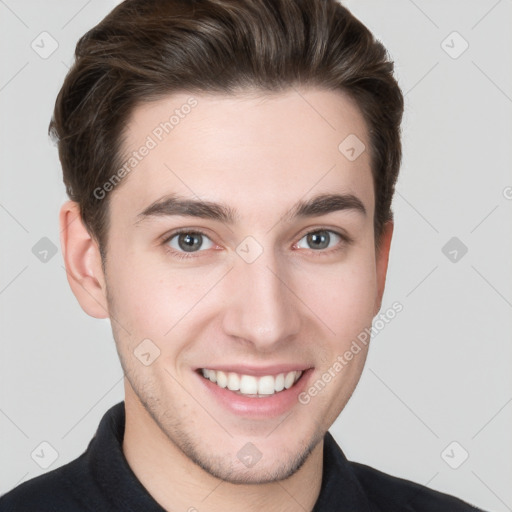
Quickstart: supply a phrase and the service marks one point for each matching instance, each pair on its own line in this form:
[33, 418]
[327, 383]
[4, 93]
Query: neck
[177, 483]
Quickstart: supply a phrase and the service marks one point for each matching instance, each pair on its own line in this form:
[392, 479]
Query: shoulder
[57, 490]
[388, 492]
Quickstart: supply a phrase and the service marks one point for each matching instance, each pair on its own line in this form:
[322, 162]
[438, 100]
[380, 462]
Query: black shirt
[101, 480]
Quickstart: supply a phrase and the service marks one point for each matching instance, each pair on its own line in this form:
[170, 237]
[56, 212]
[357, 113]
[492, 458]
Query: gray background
[439, 372]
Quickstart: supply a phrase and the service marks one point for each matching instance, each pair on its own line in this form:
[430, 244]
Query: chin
[233, 470]
[241, 462]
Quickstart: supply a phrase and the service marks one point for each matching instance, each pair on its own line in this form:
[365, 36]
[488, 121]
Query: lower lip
[270, 406]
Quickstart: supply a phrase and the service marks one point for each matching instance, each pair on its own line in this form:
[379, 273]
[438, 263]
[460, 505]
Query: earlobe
[82, 261]
[382, 258]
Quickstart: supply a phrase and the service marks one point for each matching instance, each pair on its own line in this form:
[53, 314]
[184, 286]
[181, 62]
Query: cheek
[148, 298]
[343, 298]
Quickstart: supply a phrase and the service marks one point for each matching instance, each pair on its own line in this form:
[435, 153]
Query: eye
[189, 241]
[320, 239]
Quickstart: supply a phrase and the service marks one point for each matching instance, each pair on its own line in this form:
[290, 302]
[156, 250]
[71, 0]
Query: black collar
[121, 488]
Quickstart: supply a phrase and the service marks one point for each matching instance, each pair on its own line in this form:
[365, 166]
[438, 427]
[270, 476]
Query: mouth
[252, 386]
[255, 393]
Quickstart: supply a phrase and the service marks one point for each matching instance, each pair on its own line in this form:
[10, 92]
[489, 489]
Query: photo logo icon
[454, 249]
[249, 455]
[351, 147]
[146, 352]
[44, 250]
[454, 455]
[44, 455]
[249, 249]
[454, 45]
[44, 45]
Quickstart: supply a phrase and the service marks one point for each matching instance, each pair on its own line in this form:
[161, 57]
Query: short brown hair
[147, 49]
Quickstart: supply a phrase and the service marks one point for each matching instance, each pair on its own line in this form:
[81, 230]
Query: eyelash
[345, 240]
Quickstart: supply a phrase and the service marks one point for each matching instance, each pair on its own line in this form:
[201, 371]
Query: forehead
[248, 149]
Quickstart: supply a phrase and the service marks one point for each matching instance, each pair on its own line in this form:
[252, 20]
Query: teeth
[288, 380]
[250, 385]
[222, 379]
[233, 381]
[279, 384]
[266, 385]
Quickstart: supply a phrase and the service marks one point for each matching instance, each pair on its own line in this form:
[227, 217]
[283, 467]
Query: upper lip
[258, 371]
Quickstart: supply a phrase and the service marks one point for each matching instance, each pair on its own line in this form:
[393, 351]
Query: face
[241, 265]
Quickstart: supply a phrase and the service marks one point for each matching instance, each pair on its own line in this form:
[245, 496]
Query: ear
[381, 260]
[83, 262]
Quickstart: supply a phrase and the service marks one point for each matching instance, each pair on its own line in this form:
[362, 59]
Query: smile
[250, 385]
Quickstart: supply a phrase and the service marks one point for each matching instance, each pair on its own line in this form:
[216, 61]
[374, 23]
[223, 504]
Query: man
[231, 167]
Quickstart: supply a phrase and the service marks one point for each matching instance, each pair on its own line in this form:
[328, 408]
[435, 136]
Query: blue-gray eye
[190, 241]
[320, 239]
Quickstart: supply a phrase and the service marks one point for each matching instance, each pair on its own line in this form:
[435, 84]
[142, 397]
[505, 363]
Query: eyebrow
[319, 205]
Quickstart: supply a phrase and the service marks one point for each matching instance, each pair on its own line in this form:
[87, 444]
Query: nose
[261, 308]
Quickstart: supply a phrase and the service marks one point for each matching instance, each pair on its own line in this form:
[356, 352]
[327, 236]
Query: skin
[259, 154]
